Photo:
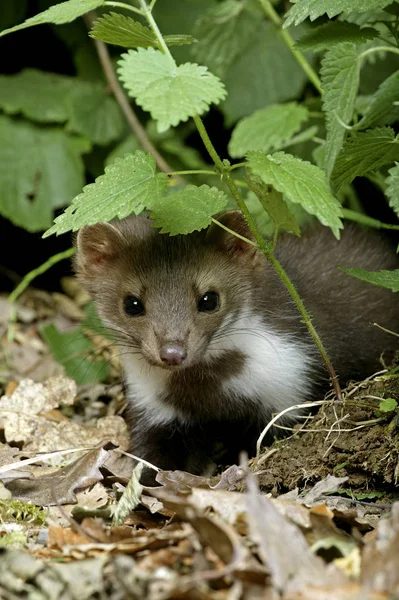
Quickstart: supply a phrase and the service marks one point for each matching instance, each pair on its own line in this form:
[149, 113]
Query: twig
[122, 100]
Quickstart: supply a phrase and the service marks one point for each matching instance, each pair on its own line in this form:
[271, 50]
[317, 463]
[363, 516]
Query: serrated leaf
[267, 129]
[340, 80]
[385, 279]
[95, 114]
[58, 14]
[223, 32]
[128, 186]
[128, 146]
[264, 73]
[169, 92]
[188, 210]
[365, 152]
[301, 182]
[392, 190]
[313, 9]
[273, 203]
[37, 95]
[388, 405]
[115, 28]
[334, 32]
[40, 169]
[381, 110]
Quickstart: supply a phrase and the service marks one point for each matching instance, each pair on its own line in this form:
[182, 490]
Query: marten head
[168, 298]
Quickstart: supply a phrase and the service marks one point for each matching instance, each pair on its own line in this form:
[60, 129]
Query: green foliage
[95, 114]
[224, 31]
[365, 152]
[381, 110]
[340, 80]
[188, 210]
[117, 29]
[171, 94]
[74, 350]
[385, 279]
[128, 186]
[393, 188]
[388, 405]
[313, 9]
[58, 14]
[87, 108]
[265, 73]
[301, 182]
[40, 170]
[273, 203]
[267, 129]
[334, 32]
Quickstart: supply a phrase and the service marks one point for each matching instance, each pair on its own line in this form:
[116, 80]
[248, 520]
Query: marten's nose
[172, 354]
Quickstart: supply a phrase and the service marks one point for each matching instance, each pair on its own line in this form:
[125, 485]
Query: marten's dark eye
[209, 302]
[133, 306]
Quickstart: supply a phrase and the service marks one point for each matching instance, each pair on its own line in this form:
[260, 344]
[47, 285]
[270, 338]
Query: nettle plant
[340, 129]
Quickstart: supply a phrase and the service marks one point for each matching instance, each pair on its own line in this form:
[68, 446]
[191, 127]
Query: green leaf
[267, 129]
[182, 18]
[95, 114]
[301, 182]
[169, 92]
[223, 33]
[388, 405]
[128, 186]
[37, 95]
[73, 350]
[365, 152]
[273, 203]
[264, 73]
[58, 14]
[188, 210]
[40, 169]
[340, 80]
[381, 110]
[385, 279]
[115, 28]
[334, 32]
[49, 98]
[313, 9]
[392, 190]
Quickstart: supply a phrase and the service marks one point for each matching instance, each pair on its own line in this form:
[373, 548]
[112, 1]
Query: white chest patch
[146, 386]
[277, 372]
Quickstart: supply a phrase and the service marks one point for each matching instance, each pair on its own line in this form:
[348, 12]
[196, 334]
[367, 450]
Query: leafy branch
[224, 169]
[120, 96]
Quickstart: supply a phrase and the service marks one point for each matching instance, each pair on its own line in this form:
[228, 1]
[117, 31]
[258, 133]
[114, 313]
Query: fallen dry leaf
[59, 486]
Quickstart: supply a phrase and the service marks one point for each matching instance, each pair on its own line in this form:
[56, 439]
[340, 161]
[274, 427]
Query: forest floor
[313, 517]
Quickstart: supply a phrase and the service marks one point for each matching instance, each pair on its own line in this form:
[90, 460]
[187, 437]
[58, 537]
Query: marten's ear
[225, 240]
[97, 247]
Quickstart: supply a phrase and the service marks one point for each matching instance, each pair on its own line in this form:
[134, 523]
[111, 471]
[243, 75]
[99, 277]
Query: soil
[352, 439]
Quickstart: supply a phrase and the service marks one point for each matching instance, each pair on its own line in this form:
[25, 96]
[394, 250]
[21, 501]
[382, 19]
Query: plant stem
[275, 18]
[194, 172]
[29, 277]
[237, 166]
[263, 245]
[267, 251]
[124, 5]
[121, 98]
[240, 237]
[151, 21]
[377, 49]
